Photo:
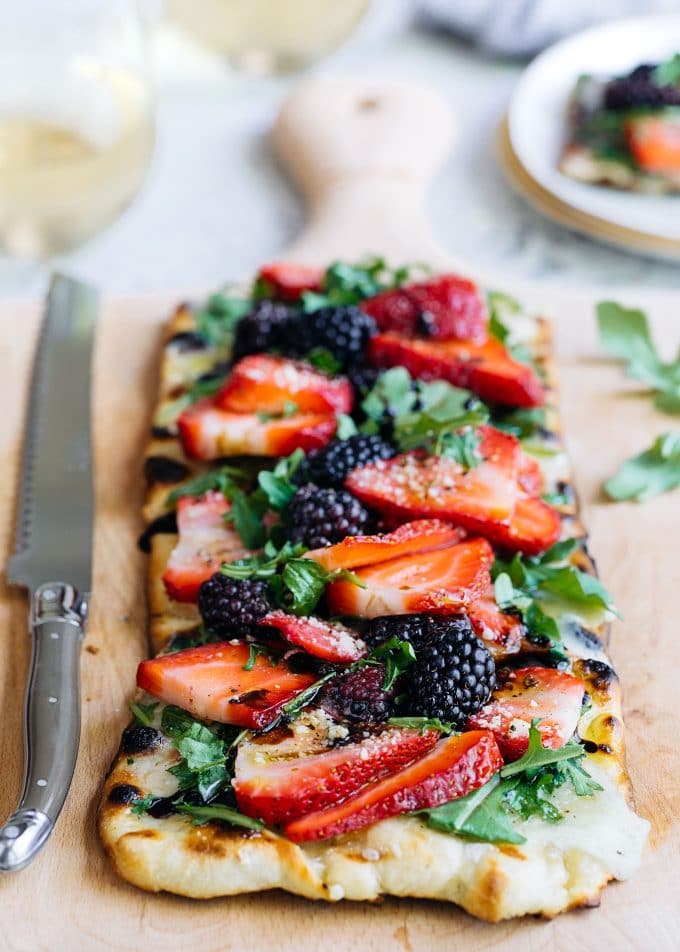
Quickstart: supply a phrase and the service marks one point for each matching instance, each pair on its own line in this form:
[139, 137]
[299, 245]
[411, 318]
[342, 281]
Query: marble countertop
[215, 203]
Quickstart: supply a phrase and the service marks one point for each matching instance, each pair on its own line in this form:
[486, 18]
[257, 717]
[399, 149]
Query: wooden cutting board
[70, 898]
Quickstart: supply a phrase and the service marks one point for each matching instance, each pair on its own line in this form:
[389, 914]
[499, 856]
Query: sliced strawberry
[274, 785]
[447, 306]
[485, 368]
[288, 281]
[205, 542]
[211, 682]
[526, 695]
[501, 633]
[262, 382]
[422, 535]
[208, 432]
[437, 581]
[530, 475]
[329, 640]
[654, 142]
[418, 485]
[534, 527]
[456, 766]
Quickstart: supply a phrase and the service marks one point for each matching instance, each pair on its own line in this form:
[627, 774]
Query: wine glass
[267, 36]
[76, 120]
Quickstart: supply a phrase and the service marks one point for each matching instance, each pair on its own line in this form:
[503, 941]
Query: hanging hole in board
[368, 104]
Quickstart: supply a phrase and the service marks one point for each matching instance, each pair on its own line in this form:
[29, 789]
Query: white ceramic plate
[538, 110]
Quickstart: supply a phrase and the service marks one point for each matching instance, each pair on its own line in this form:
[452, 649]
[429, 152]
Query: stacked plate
[531, 137]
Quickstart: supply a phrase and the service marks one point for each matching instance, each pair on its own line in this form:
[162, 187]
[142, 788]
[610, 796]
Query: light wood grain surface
[70, 898]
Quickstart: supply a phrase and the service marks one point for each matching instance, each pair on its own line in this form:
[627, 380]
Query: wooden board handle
[364, 152]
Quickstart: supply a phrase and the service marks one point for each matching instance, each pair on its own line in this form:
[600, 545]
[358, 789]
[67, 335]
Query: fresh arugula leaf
[556, 499]
[655, 471]
[217, 319]
[537, 755]
[351, 283]
[423, 724]
[346, 427]
[254, 652]
[523, 788]
[277, 484]
[538, 624]
[501, 306]
[306, 581]
[550, 576]
[392, 395]
[203, 753]
[668, 72]
[296, 582]
[264, 565]
[480, 815]
[219, 811]
[143, 713]
[320, 357]
[580, 779]
[522, 422]
[625, 335]
[396, 655]
[442, 412]
[462, 446]
[246, 516]
[143, 804]
[531, 797]
[290, 408]
[222, 479]
[293, 708]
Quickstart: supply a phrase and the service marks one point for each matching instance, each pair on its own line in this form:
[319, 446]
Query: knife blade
[53, 560]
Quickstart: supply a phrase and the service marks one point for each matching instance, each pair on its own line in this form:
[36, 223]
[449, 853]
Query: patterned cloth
[523, 27]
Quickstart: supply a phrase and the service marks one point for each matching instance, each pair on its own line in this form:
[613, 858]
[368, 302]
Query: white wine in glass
[76, 125]
[265, 36]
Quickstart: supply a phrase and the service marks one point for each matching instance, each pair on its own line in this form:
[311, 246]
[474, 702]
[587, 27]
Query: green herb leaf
[668, 72]
[218, 317]
[222, 479]
[203, 753]
[655, 471]
[141, 805]
[392, 395]
[443, 412]
[246, 515]
[501, 306]
[625, 335]
[463, 447]
[218, 811]
[293, 708]
[277, 484]
[550, 577]
[522, 422]
[479, 815]
[346, 427]
[143, 713]
[396, 655]
[320, 357]
[539, 756]
[423, 724]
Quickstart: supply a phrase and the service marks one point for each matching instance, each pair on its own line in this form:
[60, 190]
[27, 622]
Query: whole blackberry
[363, 378]
[358, 696]
[344, 331]
[453, 674]
[233, 607]
[639, 89]
[261, 328]
[412, 628]
[319, 517]
[329, 466]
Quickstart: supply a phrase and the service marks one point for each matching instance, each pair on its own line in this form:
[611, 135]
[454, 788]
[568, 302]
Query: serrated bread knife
[53, 560]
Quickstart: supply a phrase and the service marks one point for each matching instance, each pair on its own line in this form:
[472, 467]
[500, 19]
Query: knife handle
[52, 724]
